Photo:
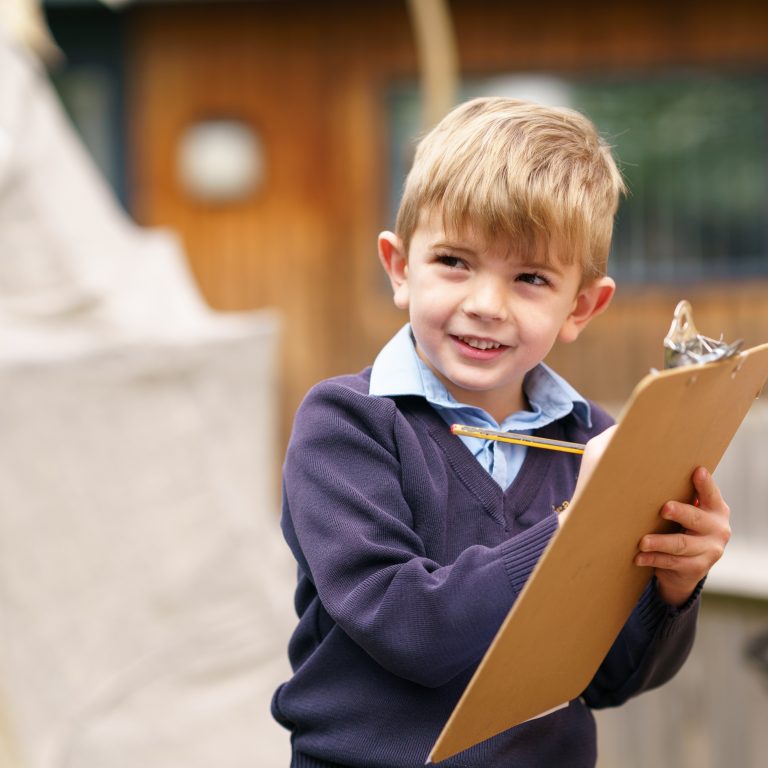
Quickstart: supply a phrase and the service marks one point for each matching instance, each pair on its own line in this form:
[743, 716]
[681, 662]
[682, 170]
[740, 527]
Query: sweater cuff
[653, 611]
[521, 553]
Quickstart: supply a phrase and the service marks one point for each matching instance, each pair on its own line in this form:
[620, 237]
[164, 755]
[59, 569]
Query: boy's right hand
[592, 453]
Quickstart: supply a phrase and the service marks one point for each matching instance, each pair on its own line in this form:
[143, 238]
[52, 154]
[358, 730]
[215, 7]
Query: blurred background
[190, 194]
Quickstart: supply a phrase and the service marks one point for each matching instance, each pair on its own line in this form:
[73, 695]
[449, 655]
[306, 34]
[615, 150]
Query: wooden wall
[311, 77]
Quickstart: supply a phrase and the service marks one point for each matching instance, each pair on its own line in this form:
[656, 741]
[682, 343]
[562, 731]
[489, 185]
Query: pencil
[517, 439]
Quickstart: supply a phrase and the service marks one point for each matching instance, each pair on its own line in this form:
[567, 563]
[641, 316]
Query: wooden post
[438, 58]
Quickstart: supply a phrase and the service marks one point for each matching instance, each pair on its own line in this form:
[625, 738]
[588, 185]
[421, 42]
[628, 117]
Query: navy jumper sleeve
[649, 651]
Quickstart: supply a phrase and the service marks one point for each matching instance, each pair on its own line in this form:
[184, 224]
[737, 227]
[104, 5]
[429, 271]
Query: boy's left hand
[682, 559]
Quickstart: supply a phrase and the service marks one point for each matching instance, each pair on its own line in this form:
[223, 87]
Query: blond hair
[541, 176]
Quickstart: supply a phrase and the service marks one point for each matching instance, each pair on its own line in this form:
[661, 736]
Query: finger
[709, 496]
[689, 517]
[699, 521]
[692, 567]
[689, 543]
[680, 551]
[688, 565]
[677, 544]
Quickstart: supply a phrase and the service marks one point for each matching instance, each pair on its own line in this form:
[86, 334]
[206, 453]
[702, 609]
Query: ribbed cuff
[522, 552]
[653, 611]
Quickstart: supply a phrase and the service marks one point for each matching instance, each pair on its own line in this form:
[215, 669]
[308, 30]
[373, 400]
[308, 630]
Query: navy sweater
[410, 556]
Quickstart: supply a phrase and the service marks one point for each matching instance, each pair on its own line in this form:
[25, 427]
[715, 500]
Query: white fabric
[145, 590]
[71, 262]
[145, 593]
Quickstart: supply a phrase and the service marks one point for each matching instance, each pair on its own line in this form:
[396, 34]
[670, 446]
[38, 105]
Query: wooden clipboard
[585, 585]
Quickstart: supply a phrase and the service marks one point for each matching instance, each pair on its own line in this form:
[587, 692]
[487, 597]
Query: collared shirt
[398, 370]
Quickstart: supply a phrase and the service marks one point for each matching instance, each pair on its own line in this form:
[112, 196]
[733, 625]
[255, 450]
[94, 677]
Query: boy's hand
[682, 559]
[593, 450]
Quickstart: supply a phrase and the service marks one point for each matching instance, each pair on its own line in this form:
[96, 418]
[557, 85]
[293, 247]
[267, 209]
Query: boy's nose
[486, 300]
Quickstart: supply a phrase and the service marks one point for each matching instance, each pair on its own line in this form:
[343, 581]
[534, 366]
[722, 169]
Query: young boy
[413, 544]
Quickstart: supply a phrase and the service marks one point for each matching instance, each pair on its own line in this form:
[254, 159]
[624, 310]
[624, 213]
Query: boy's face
[482, 315]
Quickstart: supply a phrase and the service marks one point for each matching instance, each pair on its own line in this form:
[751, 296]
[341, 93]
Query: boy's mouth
[482, 344]
[478, 349]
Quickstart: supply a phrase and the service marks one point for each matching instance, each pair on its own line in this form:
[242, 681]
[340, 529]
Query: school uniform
[411, 548]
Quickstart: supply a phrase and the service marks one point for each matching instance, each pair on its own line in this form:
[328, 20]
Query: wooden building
[315, 82]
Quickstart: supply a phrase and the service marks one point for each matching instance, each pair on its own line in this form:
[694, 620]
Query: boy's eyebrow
[453, 245]
[551, 265]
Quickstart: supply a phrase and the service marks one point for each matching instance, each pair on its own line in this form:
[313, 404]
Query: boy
[412, 544]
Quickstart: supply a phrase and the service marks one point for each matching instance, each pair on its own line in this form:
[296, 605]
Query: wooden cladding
[311, 79]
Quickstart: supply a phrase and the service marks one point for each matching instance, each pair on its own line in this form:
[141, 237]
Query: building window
[693, 148]
[90, 83]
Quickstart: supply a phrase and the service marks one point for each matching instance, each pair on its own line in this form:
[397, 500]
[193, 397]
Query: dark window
[693, 148]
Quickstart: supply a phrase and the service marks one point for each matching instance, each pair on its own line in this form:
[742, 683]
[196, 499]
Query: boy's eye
[453, 262]
[533, 278]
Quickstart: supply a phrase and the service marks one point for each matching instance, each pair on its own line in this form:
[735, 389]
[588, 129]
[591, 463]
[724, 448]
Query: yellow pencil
[514, 437]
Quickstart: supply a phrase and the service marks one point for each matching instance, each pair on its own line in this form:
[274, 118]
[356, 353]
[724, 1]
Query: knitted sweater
[410, 556]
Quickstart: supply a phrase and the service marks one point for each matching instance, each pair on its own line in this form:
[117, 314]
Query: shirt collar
[398, 370]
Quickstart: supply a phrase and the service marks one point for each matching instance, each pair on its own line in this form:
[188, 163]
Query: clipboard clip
[684, 345]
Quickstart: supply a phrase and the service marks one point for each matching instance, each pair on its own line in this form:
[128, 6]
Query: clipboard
[585, 585]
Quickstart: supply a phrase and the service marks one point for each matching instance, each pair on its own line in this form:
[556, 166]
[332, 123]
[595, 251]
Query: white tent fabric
[145, 591]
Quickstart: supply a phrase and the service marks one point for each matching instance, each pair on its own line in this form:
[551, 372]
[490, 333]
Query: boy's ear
[395, 265]
[592, 300]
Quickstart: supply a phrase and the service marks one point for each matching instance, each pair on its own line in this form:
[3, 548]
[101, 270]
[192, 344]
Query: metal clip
[684, 345]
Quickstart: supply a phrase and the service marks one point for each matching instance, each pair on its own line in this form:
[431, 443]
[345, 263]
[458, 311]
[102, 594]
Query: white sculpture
[71, 261]
[145, 591]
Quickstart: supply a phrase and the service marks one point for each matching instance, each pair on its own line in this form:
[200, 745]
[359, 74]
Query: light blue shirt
[398, 370]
